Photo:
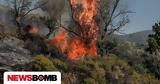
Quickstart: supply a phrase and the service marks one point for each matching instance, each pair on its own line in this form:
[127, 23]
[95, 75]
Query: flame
[92, 51]
[76, 48]
[87, 23]
[34, 30]
[60, 41]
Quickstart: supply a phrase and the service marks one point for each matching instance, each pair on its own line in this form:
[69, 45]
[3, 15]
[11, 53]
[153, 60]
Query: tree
[110, 18]
[110, 11]
[154, 40]
[82, 14]
[20, 9]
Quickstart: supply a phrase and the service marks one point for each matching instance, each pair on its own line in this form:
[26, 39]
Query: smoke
[6, 19]
[54, 7]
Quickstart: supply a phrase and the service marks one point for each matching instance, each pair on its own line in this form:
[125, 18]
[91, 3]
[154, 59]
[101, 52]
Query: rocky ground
[12, 54]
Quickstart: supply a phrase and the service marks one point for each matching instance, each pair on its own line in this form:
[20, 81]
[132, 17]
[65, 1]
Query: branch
[114, 16]
[22, 5]
[112, 13]
[34, 9]
[71, 31]
[122, 23]
[29, 11]
[15, 7]
[121, 13]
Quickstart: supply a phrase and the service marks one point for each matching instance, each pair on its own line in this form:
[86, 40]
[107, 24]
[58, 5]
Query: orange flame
[87, 22]
[76, 48]
[92, 51]
[60, 41]
[34, 30]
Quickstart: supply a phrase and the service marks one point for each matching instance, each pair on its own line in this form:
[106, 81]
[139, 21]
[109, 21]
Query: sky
[147, 13]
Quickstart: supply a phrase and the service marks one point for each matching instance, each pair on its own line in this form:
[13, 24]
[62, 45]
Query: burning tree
[93, 20]
[107, 16]
[83, 13]
[20, 9]
[76, 44]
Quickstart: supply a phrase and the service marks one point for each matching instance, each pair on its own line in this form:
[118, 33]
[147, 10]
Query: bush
[102, 70]
[70, 78]
[152, 63]
[60, 65]
[119, 71]
[140, 68]
[153, 39]
[42, 63]
[89, 81]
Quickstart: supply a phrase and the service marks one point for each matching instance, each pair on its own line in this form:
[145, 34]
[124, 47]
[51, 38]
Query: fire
[92, 51]
[60, 41]
[34, 30]
[76, 50]
[76, 47]
[87, 23]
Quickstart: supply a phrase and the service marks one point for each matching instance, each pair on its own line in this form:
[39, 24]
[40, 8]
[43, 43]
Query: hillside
[138, 37]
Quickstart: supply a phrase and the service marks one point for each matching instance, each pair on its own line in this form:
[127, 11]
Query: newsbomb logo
[32, 78]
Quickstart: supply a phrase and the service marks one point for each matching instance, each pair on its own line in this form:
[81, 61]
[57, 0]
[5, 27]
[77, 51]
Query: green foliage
[91, 72]
[130, 52]
[107, 46]
[42, 63]
[152, 63]
[111, 45]
[120, 72]
[100, 70]
[60, 64]
[154, 39]
[140, 68]
[141, 61]
[89, 81]
[152, 60]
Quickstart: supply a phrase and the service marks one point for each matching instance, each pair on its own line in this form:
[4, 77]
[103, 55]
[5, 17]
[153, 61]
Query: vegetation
[101, 70]
[152, 59]
[154, 39]
[42, 63]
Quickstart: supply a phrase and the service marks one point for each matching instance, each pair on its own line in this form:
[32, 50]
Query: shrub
[70, 78]
[42, 63]
[102, 70]
[60, 64]
[153, 39]
[152, 63]
[98, 74]
[89, 81]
